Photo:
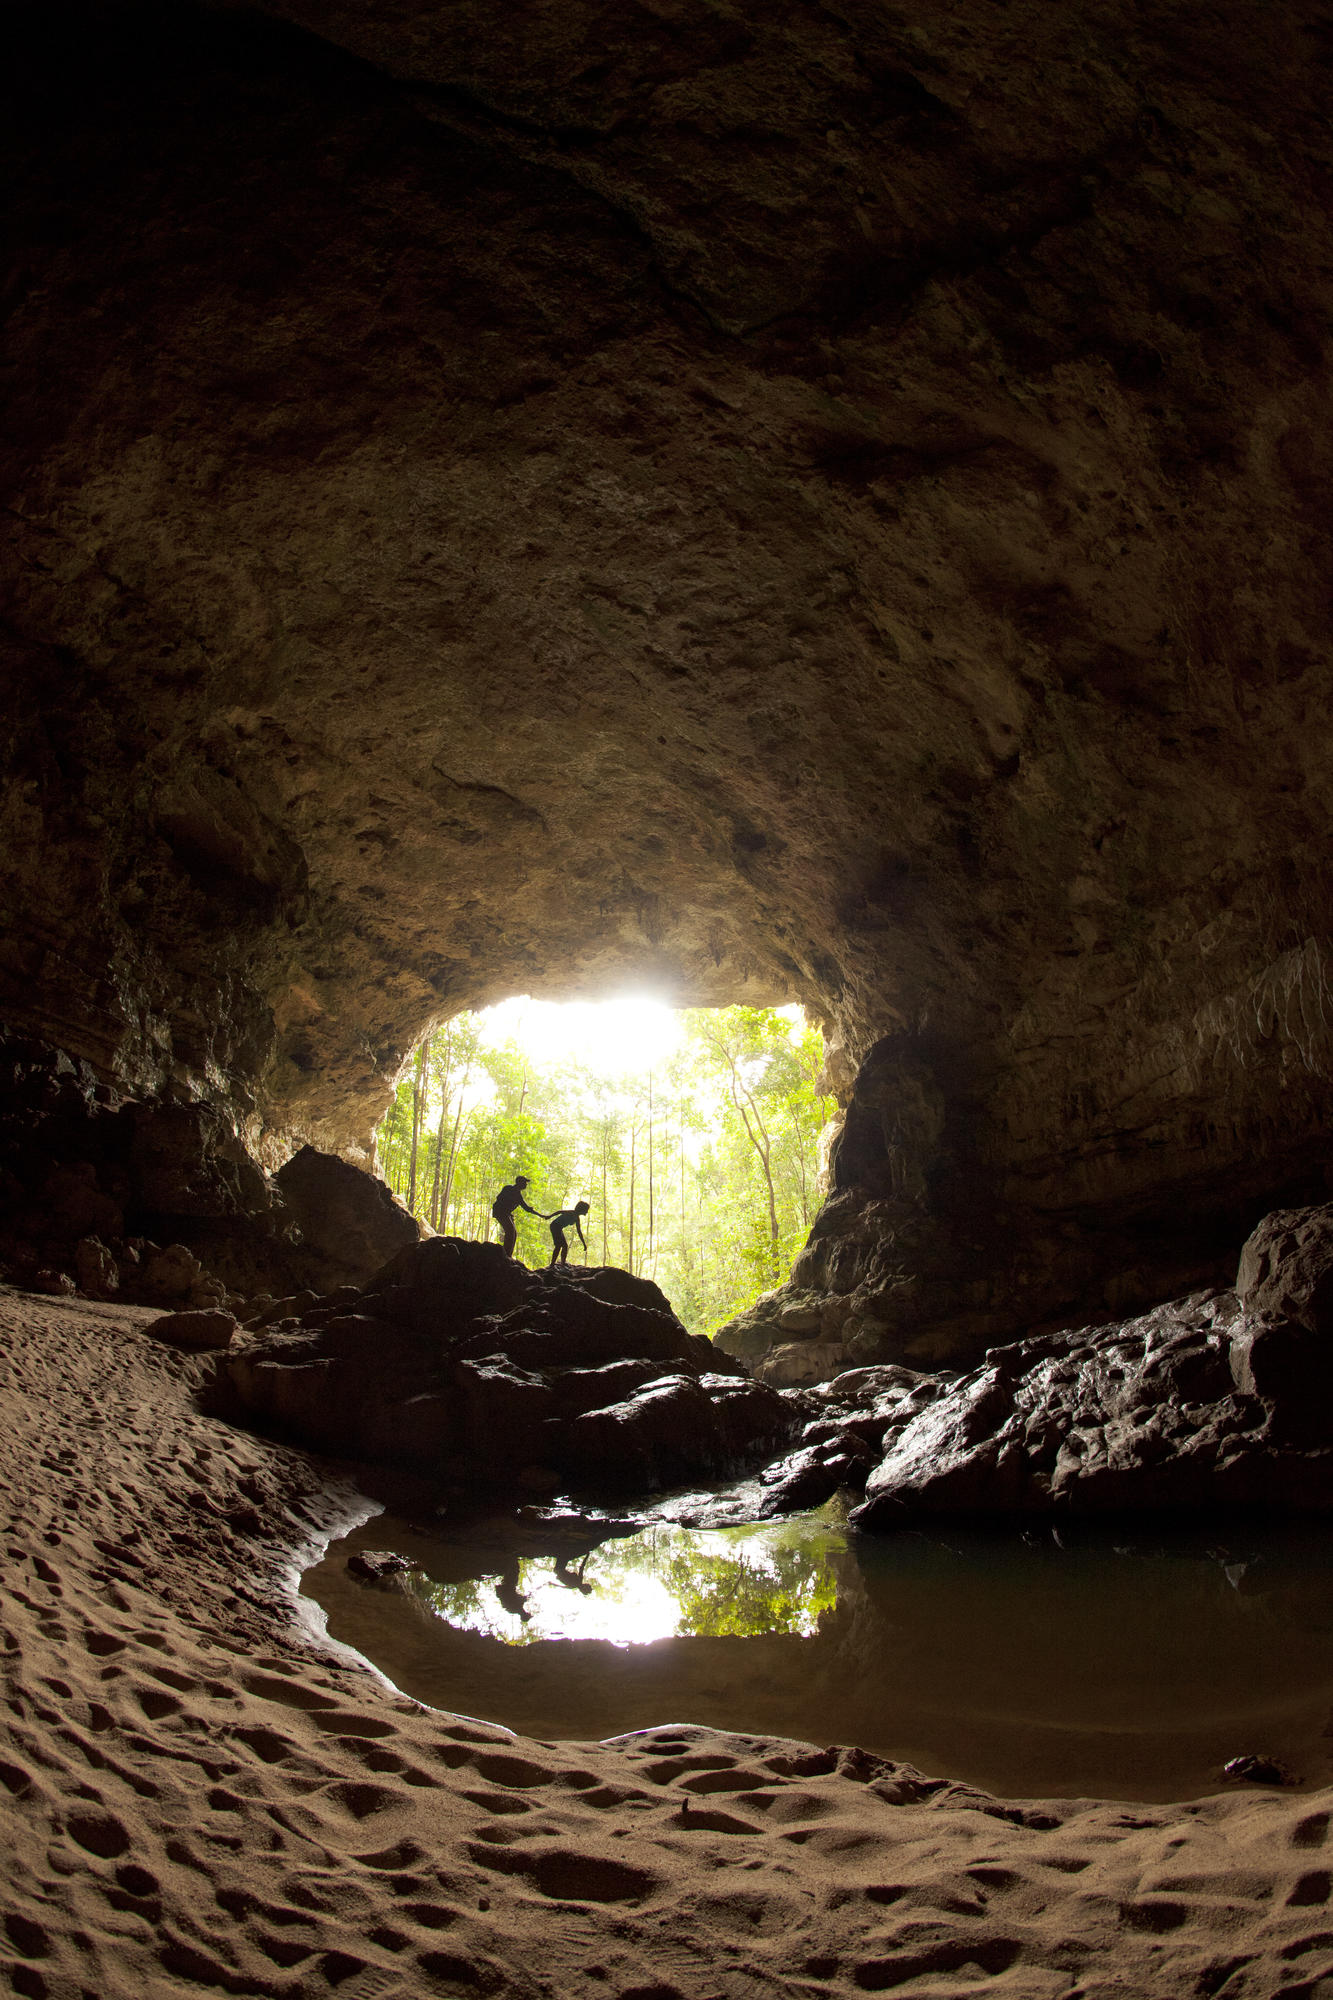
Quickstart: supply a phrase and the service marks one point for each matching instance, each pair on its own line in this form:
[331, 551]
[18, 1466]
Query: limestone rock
[1179, 1411]
[194, 1331]
[57, 1283]
[382, 1568]
[799, 1363]
[346, 1217]
[831, 1458]
[675, 1429]
[833, 431]
[457, 1360]
[1286, 1268]
[96, 1269]
[171, 1274]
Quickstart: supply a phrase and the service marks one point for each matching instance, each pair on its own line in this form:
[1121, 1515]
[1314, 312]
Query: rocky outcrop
[349, 1224]
[1222, 1400]
[195, 1332]
[161, 1204]
[1207, 1404]
[822, 504]
[460, 1362]
[1286, 1269]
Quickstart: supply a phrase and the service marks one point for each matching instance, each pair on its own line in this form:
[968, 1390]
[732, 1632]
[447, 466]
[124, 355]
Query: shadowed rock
[461, 1362]
[348, 1220]
[1155, 1415]
[194, 1331]
[1286, 1268]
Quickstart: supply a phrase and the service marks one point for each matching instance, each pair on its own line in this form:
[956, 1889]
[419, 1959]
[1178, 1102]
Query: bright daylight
[693, 1134]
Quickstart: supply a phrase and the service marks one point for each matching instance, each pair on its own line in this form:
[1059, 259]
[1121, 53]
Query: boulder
[458, 1361]
[170, 1274]
[1185, 1410]
[1286, 1268]
[823, 1465]
[502, 1410]
[95, 1268]
[58, 1283]
[382, 1569]
[194, 1331]
[442, 1287]
[347, 1218]
[657, 1437]
[799, 1363]
[673, 1431]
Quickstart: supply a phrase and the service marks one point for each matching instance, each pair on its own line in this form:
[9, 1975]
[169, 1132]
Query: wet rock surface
[1194, 1408]
[1209, 1403]
[462, 1363]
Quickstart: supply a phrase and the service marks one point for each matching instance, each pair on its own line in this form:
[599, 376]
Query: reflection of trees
[738, 1583]
[724, 1596]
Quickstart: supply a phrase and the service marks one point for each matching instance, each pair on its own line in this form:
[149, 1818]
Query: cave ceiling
[778, 502]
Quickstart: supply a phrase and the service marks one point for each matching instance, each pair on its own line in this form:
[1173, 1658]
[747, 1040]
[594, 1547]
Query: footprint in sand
[98, 1833]
[267, 1744]
[156, 1703]
[989, 1956]
[362, 1799]
[292, 1694]
[1312, 1831]
[565, 1875]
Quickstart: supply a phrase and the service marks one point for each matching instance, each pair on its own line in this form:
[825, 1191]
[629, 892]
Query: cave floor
[204, 1798]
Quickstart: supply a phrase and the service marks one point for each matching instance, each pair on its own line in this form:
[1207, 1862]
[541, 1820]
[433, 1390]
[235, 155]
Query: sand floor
[200, 1798]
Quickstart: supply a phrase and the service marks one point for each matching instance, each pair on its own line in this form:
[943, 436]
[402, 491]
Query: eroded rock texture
[821, 503]
[1220, 1401]
[461, 1363]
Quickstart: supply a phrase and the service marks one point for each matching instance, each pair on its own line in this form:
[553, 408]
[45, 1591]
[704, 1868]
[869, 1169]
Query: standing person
[502, 1208]
[560, 1223]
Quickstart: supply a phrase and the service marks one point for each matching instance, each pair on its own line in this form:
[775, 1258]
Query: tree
[702, 1174]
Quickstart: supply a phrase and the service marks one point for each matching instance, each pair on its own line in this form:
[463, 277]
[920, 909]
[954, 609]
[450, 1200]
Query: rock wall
[815, 504]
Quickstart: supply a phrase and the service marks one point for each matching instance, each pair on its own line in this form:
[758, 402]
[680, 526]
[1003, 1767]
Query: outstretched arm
[531, 1211]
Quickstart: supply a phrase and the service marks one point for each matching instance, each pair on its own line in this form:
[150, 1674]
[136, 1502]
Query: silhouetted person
[573, 1578]
[502, 1208]
[512, 1599]
[560, 1223]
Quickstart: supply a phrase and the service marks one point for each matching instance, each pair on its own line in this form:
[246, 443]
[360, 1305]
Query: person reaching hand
[502, 1208]
[560, 1223]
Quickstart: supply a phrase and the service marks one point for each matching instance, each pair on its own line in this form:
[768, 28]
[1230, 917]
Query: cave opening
[697, 1136]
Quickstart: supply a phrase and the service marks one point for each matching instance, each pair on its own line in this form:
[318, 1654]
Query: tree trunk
[418, 1095]
[439, 1135]
[453, 1144]
[630, 1260]
[800, 1161]
[684, 1239]
[759, 1139]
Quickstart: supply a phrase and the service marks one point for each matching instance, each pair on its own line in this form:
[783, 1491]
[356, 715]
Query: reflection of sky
[665, 1582]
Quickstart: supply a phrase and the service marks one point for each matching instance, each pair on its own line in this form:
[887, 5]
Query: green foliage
[702, 1176]
[735, 1583]
[728, 1596]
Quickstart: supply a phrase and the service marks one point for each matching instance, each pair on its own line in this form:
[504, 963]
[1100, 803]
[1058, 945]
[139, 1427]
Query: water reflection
[667, 1582]
[1110, 1667]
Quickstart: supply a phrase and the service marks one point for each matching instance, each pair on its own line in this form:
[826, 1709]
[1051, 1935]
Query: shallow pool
[1114, 1666]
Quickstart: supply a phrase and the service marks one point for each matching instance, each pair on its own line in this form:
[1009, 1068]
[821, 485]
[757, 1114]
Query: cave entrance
[694, 1134]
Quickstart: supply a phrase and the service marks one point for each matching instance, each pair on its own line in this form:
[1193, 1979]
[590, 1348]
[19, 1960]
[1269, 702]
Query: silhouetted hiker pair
[511, 1197]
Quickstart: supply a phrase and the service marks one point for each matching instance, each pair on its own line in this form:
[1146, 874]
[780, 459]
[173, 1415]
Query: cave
[819, 504]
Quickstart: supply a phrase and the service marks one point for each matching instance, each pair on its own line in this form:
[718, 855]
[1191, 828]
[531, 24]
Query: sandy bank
[199, 1798]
